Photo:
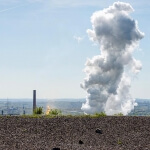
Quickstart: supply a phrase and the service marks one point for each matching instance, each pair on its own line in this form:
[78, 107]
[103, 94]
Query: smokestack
[34, 99]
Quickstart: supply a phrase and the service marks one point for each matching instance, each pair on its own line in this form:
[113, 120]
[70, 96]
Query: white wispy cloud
[78, 38]
[11, 8]
[14, 4]
[11, 2]
[73, 3]
[103, 3]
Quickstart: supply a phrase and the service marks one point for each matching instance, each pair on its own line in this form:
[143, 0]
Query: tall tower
[34, 99]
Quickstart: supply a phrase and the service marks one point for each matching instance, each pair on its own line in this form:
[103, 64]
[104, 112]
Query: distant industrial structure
[34, 99]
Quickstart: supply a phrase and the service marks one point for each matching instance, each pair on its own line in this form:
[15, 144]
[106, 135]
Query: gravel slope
[123, 133]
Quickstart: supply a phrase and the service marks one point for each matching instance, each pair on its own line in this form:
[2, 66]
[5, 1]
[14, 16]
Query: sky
[44, 47]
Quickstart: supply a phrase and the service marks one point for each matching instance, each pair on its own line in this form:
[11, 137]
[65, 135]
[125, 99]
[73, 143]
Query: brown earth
[118, 133]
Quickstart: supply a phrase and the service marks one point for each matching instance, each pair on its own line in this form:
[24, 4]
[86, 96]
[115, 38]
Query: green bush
[101, 114]
[55, 112]
[38, 111]
[119, 114]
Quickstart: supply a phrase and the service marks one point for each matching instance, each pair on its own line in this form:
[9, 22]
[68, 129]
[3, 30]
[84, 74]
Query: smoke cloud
[108, 81]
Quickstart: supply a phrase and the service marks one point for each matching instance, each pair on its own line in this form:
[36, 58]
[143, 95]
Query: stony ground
[18, 133]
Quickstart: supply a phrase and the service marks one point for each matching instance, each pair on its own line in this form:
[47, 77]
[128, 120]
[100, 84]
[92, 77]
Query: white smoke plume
[107, 79]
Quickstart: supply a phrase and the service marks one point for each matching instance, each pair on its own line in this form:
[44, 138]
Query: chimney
[34, 99]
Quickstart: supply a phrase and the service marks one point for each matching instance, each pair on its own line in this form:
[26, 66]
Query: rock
[56, 149]
[98, 131]
[80, 142]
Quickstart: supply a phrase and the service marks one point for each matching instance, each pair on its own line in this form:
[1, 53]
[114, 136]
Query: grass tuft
[119, 114]
[38, 111]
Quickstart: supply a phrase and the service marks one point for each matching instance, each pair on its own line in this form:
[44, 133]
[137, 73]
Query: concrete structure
[34, 99]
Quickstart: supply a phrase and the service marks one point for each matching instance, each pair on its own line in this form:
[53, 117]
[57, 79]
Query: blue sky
[44, 46]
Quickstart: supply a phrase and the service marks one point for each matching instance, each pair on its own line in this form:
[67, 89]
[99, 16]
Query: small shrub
[119, 114]
[55, 112]
[38, 111]
[70, 115]
[101, 114]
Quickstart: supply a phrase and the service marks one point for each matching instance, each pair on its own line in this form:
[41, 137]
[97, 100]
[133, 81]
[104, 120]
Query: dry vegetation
[75, 133]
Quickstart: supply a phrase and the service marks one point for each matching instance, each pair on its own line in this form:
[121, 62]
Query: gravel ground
[75, 133]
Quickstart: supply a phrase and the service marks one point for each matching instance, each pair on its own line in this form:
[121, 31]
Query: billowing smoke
[108, 79]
